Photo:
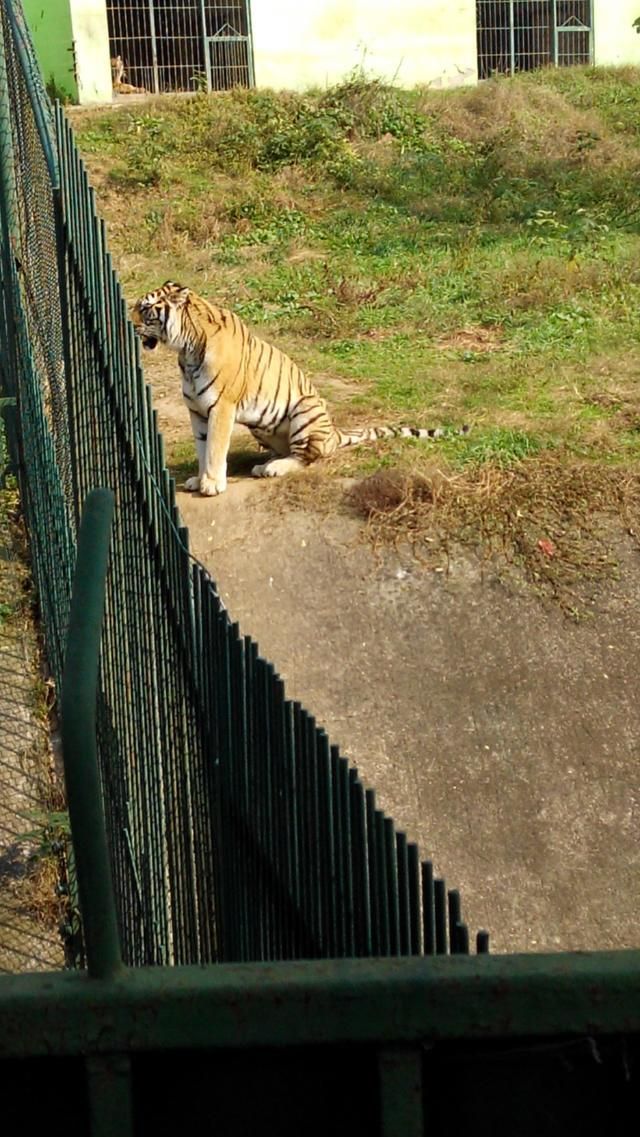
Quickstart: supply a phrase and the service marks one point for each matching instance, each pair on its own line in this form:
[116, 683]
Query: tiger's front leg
[199, 427]
[213, 479]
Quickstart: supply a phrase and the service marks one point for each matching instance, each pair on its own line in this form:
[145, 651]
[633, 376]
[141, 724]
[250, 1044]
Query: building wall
[91, 38]
[50, 26]
[615, 40]
[298, 44]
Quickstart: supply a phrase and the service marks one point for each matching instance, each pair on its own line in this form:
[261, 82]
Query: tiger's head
[157, 317]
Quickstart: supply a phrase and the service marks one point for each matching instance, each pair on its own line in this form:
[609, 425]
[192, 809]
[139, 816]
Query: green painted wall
[50, 26]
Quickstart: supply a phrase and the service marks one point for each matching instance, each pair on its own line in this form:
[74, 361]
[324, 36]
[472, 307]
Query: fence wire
[31, 907]
[236, 831]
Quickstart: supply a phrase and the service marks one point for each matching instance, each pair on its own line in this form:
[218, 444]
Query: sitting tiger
[229, 376]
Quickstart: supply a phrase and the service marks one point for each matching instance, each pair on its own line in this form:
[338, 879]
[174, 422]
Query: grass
[429, 257]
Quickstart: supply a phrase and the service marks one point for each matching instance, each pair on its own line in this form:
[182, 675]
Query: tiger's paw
[277, 468]
[210, 487]
[192, 484]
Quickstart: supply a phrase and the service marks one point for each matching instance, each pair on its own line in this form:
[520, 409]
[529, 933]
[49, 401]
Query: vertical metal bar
[401, 1092]
[241, 902]
[110, 1095]
[79, 738]
[385, 884]
[326, 836]
[154, 48]
[462, 939]
[403, 946]
[293, 810]
[251, 75]
[206, 46]
[263, 743]
[345, 853]
[440, 906]
[556, 44]
[373, 862]
[482, 943]
[281, 913]
[363, 945]
[338, 853]
[455, 918]
[428, 913]
[413, 859]
[393, 887]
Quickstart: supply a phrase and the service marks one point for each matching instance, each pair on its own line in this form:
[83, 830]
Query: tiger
[231, 376]
[118, 74]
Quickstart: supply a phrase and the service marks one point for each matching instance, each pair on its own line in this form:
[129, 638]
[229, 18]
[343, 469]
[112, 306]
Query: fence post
[206, 45]
[79, 691]
[154, 49]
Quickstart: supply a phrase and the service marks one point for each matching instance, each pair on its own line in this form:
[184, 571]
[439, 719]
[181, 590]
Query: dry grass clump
[546, 515]
[528, 121]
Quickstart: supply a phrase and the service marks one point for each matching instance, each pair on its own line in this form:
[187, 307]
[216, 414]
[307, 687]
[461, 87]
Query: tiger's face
[153, 316]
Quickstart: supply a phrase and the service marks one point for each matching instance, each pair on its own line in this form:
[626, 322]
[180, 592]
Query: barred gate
[181, 45]
[522, 35]
[236, 831]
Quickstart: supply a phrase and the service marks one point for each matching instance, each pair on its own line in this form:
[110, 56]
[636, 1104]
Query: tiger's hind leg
[275, 442]
[278, 467]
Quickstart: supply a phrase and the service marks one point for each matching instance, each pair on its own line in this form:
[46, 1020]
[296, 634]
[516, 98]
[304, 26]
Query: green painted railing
[423, 1047]
[236, 831]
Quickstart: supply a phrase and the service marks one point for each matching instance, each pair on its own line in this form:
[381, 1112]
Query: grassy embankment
[428, 257]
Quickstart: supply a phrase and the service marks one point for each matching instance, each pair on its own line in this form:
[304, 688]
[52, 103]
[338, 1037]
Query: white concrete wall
[615, 40]
[303, 43]
[91, 42]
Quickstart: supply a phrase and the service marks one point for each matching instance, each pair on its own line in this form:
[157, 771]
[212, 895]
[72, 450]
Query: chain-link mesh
[236, 831]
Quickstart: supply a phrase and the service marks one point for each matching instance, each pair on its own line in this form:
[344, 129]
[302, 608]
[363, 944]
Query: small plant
[146, 150]
[57, 93]
[199, 81]
[50, 834]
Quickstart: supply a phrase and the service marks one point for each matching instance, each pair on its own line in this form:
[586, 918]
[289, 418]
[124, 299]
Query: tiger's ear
[177, 292]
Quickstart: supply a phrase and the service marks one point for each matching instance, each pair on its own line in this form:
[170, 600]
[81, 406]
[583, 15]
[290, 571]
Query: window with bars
[521, 35]
[180, 45]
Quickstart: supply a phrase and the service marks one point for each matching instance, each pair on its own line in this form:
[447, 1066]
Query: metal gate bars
[181, 45]
[521, 35]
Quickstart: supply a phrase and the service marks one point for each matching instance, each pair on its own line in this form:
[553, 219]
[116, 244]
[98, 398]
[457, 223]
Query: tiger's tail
[373, 433]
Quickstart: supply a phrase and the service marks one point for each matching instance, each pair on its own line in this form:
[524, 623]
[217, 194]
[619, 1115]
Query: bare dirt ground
[499, 734]
[29, 939]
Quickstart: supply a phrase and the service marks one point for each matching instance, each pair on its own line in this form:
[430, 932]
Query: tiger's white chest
[198, 385]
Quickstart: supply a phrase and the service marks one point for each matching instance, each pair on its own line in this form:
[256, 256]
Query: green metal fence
[539, 1046]
[236, 831]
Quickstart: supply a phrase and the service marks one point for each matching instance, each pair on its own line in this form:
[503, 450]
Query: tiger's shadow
[240, 462]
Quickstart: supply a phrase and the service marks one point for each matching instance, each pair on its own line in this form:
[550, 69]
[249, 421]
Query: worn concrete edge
[310, 1003]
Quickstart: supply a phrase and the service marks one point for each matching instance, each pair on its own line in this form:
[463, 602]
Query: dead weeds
[472, 339]
[548, 517]
[527, 119]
